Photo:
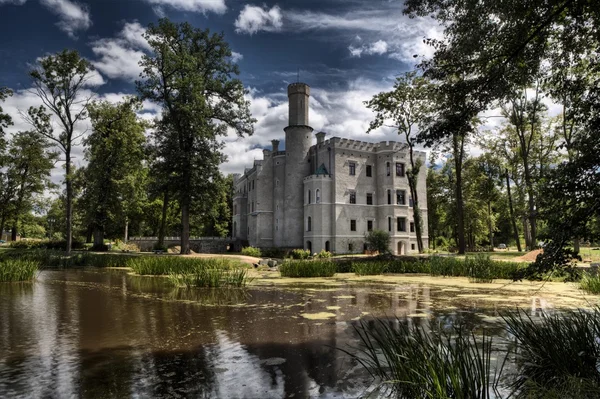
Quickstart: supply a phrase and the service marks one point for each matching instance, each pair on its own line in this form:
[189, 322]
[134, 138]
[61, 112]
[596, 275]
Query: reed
[370, 268]
[412, 362]
[308, 268]
[18, 270]
[590, 283]
[203, 277]
[164, 265]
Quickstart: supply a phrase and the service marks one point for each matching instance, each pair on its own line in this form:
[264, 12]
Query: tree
[59, 81]
[407, 106]
[190, 73]
[5, 119]
[378, 240]
[490, 170]
[29, 162]
[115, 170]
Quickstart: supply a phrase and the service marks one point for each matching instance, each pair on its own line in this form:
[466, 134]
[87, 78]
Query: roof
[322, 170]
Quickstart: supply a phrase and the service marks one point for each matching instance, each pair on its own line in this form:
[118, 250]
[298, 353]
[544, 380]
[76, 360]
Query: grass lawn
[590, 254]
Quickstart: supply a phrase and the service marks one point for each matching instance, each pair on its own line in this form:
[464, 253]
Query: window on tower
[369, 199]
[400, 197]
[353, 197]
[352, 168]
[353, 225]
[399, 169]
[369, 171]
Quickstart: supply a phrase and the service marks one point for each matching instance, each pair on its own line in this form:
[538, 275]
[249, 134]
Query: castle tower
[298, 139]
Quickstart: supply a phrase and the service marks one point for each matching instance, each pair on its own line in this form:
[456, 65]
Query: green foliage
[166, 265]
[308, 268]
[5, 119]
[590, 283]
[409, 266]
[251, 251]
[300, 254]
[410, 361]
[324, 254]
[556, 356]
[17, 270]
[45, 244]
[446, 266]
[370, 268]
[204, 276]
[378, 240]
[480, 268]
[279, 253]
[190, 73]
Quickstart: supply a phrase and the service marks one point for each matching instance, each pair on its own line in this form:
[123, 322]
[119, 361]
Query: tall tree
[115, 155]
[490, 170]
[190, 72]
[5, 119]
[407, 107]
[29, 163]
[59, 81]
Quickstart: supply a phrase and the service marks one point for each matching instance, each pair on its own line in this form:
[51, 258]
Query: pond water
[105, 333]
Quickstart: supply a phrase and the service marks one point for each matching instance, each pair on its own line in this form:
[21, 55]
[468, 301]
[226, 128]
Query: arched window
[317, 196]
[309, 197]
[309, 224]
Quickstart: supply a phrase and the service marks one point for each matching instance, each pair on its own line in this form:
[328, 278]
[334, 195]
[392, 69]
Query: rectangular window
[412, 246]
[352, 166]
[369, 199]
[410, 202]
[400, 197]
[401, 222]
[369, 171]
[352, 197]
[412, 227]
[387, 169]
[389, 197]
[369, 225]
[389, 224]
[399, 169]
[353, 225]
[350, 247]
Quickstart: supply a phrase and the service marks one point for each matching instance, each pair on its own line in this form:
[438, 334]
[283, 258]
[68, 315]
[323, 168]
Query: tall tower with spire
[298, 139]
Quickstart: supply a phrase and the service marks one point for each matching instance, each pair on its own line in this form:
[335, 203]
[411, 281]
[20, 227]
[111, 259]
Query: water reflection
[104, 333]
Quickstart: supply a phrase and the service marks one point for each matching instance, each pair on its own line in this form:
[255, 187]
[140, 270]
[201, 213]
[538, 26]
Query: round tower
[298, 139]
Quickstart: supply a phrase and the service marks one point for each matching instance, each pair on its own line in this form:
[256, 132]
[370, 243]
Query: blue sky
[346, 50]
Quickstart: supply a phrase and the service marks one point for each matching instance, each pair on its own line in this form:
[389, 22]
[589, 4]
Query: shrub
[369, 268]
[273, 252]
[46, 244]
[300, 254]
[343, 266]
[378, 240]
[324, 254]
[420, 362]
[308, 268]
[590, 283]
[17, 270]
[251, 251]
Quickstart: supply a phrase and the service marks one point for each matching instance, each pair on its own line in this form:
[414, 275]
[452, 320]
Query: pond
[106, 333]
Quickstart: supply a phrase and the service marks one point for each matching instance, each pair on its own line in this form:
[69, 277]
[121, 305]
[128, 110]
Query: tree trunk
[512, 213]
[458, 144]
[490, 226]
[98, 237]
[13, 233]
[69, 210]
[412, 182]
[2, 222]
[531, 203]
[163, 220]
[526, 233]
[185, 227]
[125, 238]
[576, 246]
[89, 234]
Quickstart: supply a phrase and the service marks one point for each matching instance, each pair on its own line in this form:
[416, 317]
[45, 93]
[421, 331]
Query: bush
[46, 244]
[273, 252]
[17, 270]
[308, 268]
[369, 268]
[378, 240]
[324, 254]
[480, 268]
[251, 251]
[300, 254]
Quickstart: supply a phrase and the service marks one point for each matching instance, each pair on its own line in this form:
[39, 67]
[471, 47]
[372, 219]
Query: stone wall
[203, 245]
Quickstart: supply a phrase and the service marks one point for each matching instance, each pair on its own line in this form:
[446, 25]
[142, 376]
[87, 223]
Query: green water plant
[590, 283]
[370, 268]
[171, 264]
[205, 277]
[412, 361]
[308, 268]
[251, 251]
[18, 270]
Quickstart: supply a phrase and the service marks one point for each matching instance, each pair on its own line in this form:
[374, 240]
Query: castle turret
[298, 139]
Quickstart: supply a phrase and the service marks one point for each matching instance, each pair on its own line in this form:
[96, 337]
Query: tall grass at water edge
[590, 283]
[163, 265]
[57, 259]
[211, 278]
[12, 270]
[554, 356]
[307, 268]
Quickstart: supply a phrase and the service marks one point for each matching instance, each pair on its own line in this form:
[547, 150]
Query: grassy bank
[17, 270]
[555, 357]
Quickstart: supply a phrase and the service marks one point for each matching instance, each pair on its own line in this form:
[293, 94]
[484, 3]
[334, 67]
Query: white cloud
[203, 6]
[73, 16]
[236, 57]
[253, 19]
[119, 57]
[379, 47]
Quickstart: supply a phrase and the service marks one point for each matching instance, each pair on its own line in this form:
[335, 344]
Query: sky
[346, 50]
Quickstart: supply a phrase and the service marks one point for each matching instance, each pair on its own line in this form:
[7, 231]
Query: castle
[327, 195]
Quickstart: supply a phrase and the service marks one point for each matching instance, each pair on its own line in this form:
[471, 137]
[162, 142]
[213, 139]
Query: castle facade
[327, 195]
